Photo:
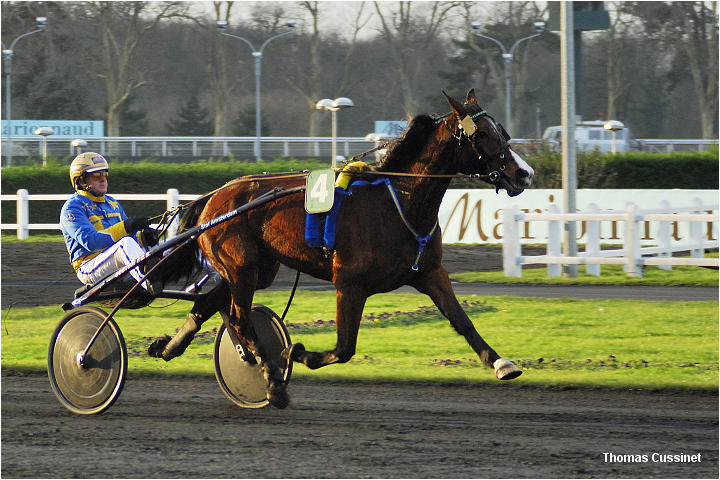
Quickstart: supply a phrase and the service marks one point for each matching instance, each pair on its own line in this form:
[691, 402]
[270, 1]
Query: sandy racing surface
[162, 428]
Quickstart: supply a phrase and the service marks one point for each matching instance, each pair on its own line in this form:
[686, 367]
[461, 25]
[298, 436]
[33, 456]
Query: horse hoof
[158, 346]
[278, 398]
[505, 369]
[293, 352]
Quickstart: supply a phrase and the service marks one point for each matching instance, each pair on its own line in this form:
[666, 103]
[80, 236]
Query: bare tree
[698, 25]
[409, 39]
[217, 72]
[688, 31]
[617, 80]
[508, 22]
[310, 82]
[121, 26]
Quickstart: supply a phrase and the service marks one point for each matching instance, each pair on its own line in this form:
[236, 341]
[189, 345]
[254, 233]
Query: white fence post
[696, 233]
[663, 237]
[632, 242]
[554, 242]
[592, 242]
[23, 214]
[173, 200]
[511, 242]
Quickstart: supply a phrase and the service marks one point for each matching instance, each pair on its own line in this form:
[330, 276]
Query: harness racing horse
[378, 247]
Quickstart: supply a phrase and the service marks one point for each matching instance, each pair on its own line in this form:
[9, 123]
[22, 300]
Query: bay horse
[375, 250]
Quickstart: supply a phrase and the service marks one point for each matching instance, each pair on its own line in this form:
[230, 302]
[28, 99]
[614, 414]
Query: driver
[99, 236]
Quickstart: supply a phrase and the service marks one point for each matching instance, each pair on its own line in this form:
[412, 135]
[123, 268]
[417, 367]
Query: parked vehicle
[591, 135]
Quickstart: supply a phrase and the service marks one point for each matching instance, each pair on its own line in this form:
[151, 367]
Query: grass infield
[557, 342]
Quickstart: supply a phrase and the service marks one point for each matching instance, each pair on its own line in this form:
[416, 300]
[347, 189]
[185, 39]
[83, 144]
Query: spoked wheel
[92, 386]
[243, 381]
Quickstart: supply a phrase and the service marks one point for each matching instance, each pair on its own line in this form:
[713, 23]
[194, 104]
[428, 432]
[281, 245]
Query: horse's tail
[185, 262]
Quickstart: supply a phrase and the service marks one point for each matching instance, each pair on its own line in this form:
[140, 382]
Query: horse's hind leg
[436, 284]
[243, 289]
[205, 307]
[350, 304]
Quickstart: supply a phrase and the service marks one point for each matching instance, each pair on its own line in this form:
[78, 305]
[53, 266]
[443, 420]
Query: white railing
[243, 147]
[653, 145]
[23, 199]
[632, 256]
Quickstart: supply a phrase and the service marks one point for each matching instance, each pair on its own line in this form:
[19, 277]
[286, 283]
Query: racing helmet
[88, 162]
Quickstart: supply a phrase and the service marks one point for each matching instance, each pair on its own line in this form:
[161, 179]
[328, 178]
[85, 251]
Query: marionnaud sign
[475, 216]
[63, 128]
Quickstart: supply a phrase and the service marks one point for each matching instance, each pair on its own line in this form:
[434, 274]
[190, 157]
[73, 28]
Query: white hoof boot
[505, 369]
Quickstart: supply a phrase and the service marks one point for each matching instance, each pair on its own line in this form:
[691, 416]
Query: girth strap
[421, 239]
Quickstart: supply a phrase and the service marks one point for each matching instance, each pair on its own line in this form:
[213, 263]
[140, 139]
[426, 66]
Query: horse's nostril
[522, 173]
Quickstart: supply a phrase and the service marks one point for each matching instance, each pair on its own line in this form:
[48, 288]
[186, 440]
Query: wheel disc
[92, 387]
[241, 381]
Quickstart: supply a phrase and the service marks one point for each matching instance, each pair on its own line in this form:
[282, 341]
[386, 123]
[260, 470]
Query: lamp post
[78, 144]
[44, 132]
[257, 54]
[378, 139]
[475, 28]
[41, 23]
[614, 126]
[333, 106]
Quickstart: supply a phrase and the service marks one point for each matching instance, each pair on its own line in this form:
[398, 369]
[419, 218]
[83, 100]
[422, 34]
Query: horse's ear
[471, 99]
[457, 107]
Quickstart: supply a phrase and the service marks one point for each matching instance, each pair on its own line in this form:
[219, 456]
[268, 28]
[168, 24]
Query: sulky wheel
[93, 386]
[243, 381]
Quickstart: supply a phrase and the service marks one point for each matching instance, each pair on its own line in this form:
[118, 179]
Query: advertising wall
[63, 128]
[474, 216]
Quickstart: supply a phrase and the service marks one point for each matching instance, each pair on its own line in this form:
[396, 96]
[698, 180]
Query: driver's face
[97, 182]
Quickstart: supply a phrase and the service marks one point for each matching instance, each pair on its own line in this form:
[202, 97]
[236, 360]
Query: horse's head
[485, 147]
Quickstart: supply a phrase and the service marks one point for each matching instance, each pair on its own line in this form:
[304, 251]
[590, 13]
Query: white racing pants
[124, 252]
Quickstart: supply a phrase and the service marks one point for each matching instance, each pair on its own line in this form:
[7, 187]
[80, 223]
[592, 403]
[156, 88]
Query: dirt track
[40, 274]
[186, 428]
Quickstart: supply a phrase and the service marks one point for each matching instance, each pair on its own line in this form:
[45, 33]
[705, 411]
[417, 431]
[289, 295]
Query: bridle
[468, 128]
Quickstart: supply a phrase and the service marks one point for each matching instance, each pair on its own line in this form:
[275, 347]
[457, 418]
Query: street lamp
[40, 23]
[44, 132]
[614, 126]
[78, 144]
[333, 106]
[378, 139]
[475, 28]
[257, 54]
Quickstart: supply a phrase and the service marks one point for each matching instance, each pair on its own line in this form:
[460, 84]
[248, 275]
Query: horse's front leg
[350, 304]
[205, 307]
[436, 284]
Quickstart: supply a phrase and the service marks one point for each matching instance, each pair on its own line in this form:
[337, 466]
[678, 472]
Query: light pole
[78, 144]
[44, 132]
[333, 106]
[614, 126]
[475, 28]
[257, 54]
[41, 23]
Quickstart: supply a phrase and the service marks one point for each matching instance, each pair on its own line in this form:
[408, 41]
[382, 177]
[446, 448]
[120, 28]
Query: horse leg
[436, 284]
[243, 289]
[350, 304]
[205, 307]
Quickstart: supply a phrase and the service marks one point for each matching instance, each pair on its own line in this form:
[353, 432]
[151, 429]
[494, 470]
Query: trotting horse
[380, 237]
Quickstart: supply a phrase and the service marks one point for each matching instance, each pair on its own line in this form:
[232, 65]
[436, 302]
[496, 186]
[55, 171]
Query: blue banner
[393, 128]
[63, 128]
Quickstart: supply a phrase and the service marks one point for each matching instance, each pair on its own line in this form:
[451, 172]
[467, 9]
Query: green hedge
[691, 170]
[143, 177]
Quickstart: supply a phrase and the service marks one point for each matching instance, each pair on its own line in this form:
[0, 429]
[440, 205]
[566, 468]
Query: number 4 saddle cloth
[320, 227]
